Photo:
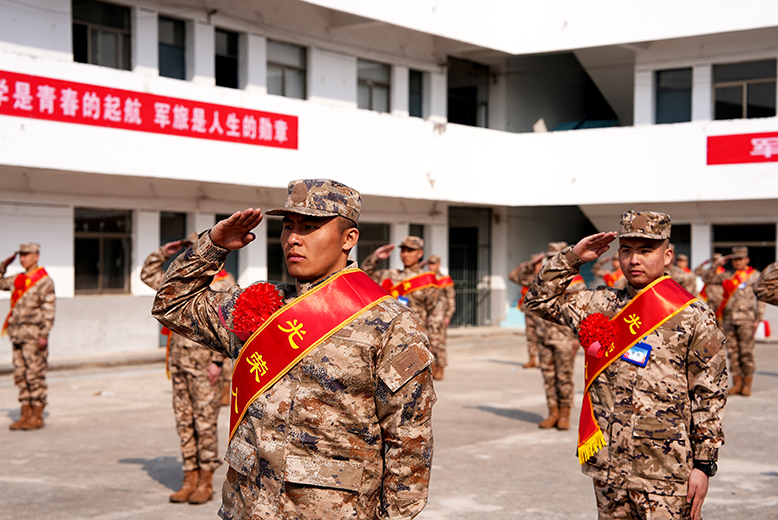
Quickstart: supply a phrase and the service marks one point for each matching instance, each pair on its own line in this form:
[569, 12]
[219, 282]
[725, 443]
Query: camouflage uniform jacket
[450, 298]
[345, 434]
[658, 419]
[522, 274]
[742, 307]
[552, 333]
[423, 301]
[686, 280]
[766, 288]
[714, 292]
[184, 352]
[33, 315]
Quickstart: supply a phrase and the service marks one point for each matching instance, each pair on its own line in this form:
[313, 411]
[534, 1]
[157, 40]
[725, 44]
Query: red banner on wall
[743, 148]
[49, 99]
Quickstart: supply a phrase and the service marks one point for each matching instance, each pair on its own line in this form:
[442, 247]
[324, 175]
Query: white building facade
[490, 130]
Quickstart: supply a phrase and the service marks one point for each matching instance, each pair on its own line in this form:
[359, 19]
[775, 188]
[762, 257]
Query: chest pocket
[321, 472]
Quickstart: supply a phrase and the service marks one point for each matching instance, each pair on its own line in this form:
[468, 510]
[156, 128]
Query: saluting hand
[384, 252]
[10, 259]
[723, 260]
[174, 247]
[234, 232]
[591, 247]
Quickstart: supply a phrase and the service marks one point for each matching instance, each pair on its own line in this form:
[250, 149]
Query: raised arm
[370, 263]
[766, 288]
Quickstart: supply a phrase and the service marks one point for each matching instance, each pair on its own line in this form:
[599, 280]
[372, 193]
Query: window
[371, 237]
[673, 96]
[415, 83]
[172, 227]
[102, 250]
[416, 230]
[759, 238]
[231, 263]
[226, 59]
[285, 70]
[172, 48]
[101, 34]
[372, 86]
[276, 261]
[744, 90]
[468, 93]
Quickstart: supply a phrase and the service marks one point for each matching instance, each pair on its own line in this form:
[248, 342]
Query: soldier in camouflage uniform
[423, 301]
[346, 433]
[766, 288]
[712, 294]
[195, 372]
[680, 272]
[28, 325]
[557, 349]
[439, 327]
[613, 277]
[740, 315]
[661, 422]
[523, 274]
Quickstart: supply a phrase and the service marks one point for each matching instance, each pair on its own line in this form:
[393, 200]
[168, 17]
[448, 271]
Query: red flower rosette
[253, 307]
[596, 333]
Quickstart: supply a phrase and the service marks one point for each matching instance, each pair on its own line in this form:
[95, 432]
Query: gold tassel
[589, 448]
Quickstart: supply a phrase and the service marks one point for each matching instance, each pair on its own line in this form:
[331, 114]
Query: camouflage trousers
[438, 347]
[626, 504]
[30, 364]
[556, 365]
[196, 406]
[532, 335]
[740, 347]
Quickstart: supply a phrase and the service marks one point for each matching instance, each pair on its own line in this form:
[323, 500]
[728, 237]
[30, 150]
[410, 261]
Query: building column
[398, 91]
[702, 92]
[201, 53]
[145, 241]
[437, 244]
[252, 260]
[702, 243]
[145, 42]
[252, 68]
[645, 113]
[435, 97]
[397, 232]
[499, 268]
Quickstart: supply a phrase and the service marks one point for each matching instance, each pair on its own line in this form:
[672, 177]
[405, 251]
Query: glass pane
[414, 80]
[761, 100]
[115, 256]
[380, 98]
[171, 31]
[295, 83]
[363, 96]
[729, 103]
[105, 49]
[87, 264]
[286, 54]
[371, 237]
[673, 106]
[416, 230]
[414, 93]
[125, 64]
[276, 265]
[744, 71]
[226, 43]
[172, 61]
[373, 71]
[275, 80]
[80, 43]
[100, 13]
[226, 72]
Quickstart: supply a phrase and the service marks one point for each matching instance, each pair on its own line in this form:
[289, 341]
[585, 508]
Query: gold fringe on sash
[591, 446]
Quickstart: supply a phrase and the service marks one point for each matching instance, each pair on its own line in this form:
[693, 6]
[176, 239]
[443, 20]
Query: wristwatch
[706, 466]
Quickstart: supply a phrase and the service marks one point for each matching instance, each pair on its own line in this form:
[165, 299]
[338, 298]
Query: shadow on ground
[165, 470]
[519, 415]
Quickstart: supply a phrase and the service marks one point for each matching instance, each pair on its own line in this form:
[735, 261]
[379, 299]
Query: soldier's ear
[350, 238]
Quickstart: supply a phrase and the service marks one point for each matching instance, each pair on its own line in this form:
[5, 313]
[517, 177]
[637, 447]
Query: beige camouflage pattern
[321, 198]
[658, 419]
[644, 224]
[617, 503]
[523, 274]
[32, 318]
[766, 288]
[437, 322]
[345, 434]
[195, 402]
[557, 347]
[715, 293]
[739, 320]
[686, 280]
[412, 243]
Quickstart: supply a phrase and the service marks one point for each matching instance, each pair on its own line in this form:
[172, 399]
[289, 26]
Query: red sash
[730, 286]
[296, 329]
[409, 285]
[524, 291]
[445, 281]
[651, 307]
[22, 283]
[612, 278]
[221, 275]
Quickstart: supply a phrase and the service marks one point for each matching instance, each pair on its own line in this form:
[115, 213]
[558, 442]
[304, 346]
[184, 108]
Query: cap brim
[311, 212]
[640, 235]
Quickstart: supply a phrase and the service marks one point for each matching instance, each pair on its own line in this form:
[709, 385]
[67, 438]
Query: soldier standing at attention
[196, 374]
[711, 294]
[739, 311]
[766, 288]
[439, 328]
[28, 325]
[557, 349]
[415, 287]
[523, 274]
[656, 380]
[680, 272]
[613, 277]
[332, 395]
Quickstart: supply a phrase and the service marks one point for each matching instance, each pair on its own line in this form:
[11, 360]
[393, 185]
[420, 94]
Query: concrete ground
[109, 449]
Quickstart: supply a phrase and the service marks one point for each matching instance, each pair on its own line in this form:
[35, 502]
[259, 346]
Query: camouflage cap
[555, 247]
[433, 259]
[739, 252]
[682, 257]
[412, 243]
[321, 198]
[645, 224]
[29, 248]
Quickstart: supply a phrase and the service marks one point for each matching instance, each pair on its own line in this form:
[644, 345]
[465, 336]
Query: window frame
[743, 84]
[101, 236]
[121, 33]
[182, 47]
[285, 66]
[236, 58]
[370, 83]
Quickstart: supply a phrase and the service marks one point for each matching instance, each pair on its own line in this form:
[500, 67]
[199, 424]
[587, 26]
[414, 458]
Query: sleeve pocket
[660, 451]
[241, 456]
[337, 474]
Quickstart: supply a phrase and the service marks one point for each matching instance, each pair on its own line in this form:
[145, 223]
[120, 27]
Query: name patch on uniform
[403, 300]
[638, 354]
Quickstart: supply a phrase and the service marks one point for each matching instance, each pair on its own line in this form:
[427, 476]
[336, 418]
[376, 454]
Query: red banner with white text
[743, 148]
[36, 97]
